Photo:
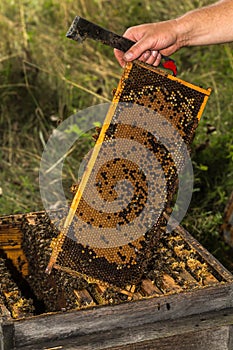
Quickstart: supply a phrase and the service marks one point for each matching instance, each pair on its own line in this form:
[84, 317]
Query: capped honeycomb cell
[130, 180]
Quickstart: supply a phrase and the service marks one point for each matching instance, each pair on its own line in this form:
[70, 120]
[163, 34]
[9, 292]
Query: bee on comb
[117, 214]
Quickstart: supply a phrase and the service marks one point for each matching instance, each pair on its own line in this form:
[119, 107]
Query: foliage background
[44, 78]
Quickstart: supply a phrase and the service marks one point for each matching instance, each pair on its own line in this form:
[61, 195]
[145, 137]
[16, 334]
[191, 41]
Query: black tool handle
[81, 29]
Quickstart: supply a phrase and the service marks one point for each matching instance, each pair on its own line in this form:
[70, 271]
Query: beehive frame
[165, 105]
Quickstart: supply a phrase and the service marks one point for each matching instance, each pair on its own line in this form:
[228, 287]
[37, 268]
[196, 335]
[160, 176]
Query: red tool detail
[169, 64]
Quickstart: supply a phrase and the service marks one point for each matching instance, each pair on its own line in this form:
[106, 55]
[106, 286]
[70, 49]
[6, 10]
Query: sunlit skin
[205, 26]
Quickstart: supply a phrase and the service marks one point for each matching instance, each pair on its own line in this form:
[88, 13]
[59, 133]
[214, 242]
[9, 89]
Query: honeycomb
[56, 291]
[11, 295]
[139, 153]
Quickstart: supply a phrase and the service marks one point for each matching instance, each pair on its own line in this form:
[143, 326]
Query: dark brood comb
[169, 106]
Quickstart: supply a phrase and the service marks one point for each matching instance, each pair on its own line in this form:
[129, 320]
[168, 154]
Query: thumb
[137, 50]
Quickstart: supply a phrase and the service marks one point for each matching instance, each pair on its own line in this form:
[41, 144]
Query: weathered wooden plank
[125, 315]
[169, 285]
[230, 339]
[211, 339]
[6, 329]
[210, 331]
[6, 336]
[149, 289]
[188, 279]
[84, 298]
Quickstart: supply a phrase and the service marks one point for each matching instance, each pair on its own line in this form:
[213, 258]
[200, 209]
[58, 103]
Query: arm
[212, 24]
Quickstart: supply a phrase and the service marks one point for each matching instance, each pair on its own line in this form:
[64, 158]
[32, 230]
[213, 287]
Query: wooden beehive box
[184, 301]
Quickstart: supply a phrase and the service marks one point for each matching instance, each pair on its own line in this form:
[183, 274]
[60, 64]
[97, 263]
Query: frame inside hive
[167, 105]
[178, 264]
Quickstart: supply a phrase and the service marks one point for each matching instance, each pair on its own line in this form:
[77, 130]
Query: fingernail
[146, 55]
[128, 56]
[154, 53]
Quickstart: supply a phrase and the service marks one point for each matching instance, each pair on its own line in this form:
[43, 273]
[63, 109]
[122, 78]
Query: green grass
[44, 78]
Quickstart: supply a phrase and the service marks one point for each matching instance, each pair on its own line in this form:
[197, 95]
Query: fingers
[137, 50]
[146, 55]
[153, 58]
[158, 59]
[150, 57]
[120, 57]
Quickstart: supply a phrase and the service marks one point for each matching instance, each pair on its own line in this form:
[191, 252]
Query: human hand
[152, 41]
